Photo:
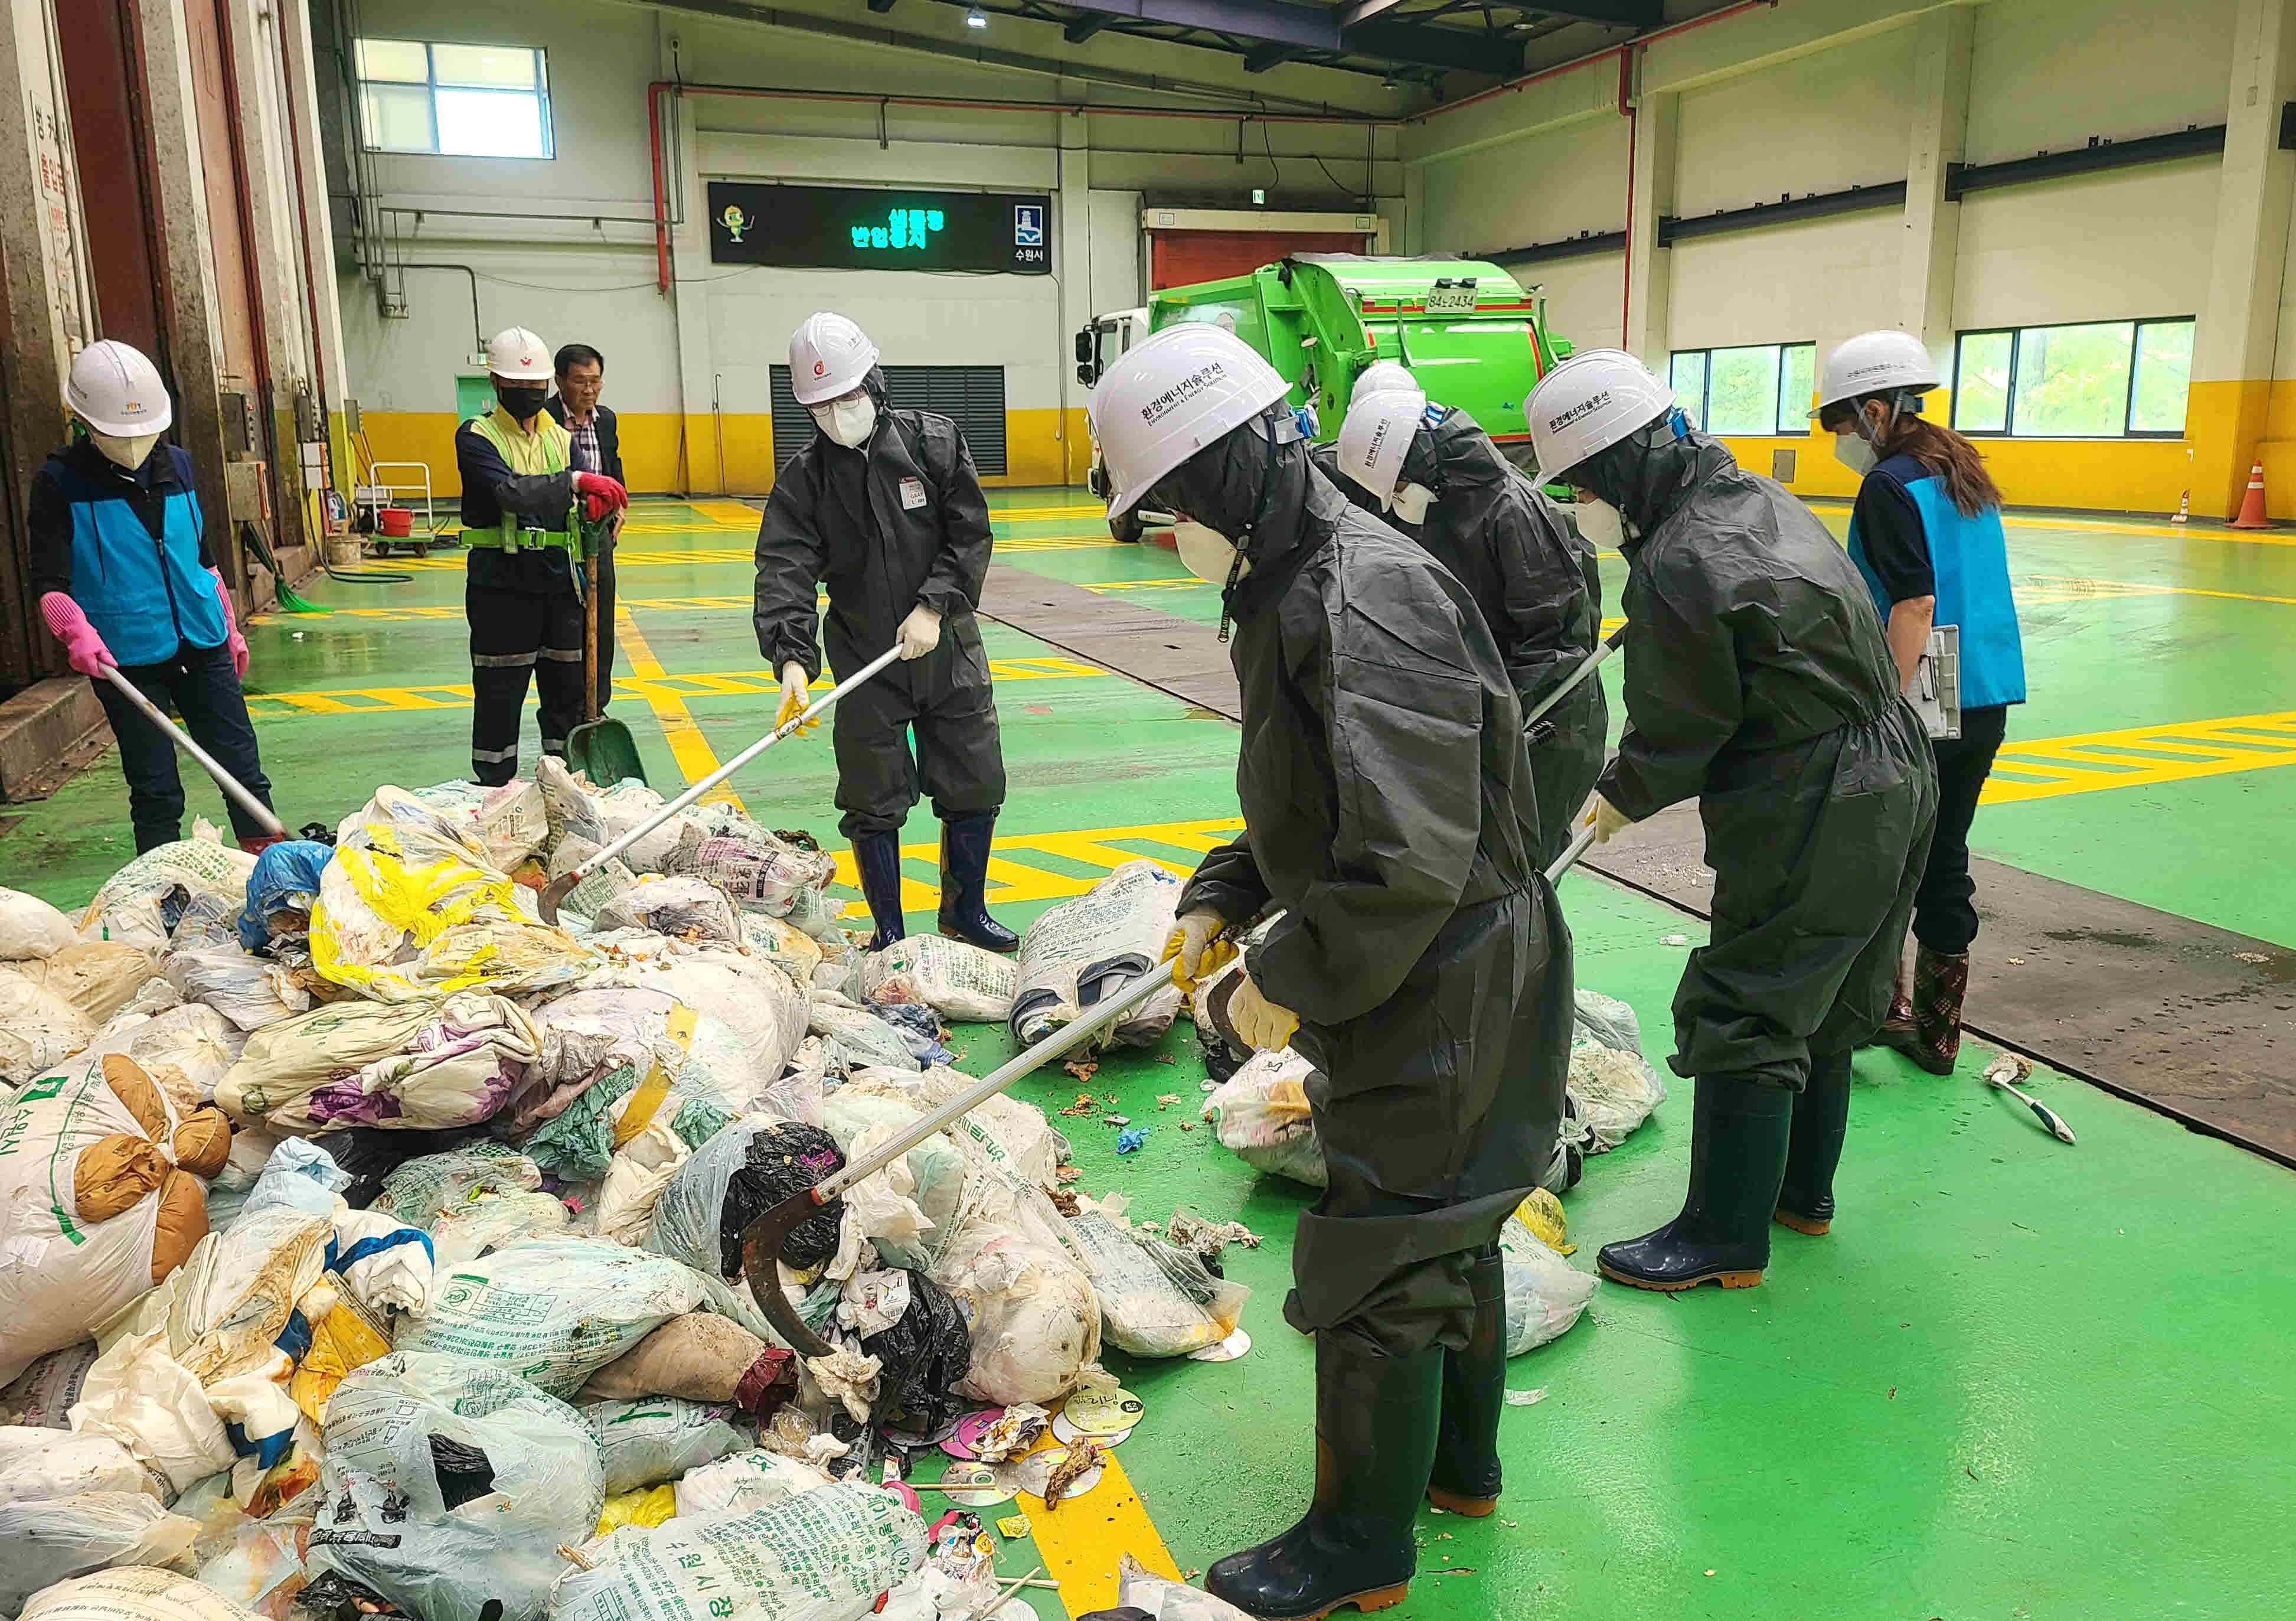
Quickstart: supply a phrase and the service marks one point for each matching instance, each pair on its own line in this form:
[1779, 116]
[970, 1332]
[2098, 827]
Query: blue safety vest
[145, 597]
[1970, 559]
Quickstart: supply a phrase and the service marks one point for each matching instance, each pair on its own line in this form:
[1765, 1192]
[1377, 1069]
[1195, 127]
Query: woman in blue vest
[1926, 533]
[119, 562]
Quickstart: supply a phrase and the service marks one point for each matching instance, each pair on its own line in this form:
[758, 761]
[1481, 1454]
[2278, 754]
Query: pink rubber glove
[66, 622]
[232, 639]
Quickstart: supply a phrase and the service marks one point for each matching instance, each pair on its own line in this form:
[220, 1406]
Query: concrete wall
[688, 370]
[1813, 99]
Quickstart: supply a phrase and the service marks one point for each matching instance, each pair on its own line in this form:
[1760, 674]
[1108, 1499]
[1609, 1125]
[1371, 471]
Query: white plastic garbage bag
[417, 1189]
[1614, 1086]
[301, 1176]
[39, 1029]
[412, 1066]
[46, 1542]
[40, 1464]
[956, 980]
[1262, 1115]
[645, 1442]
[824, 1555]
[600, 1046]
[1085, 950]
[1154, 1300]
[643, 1162]
[185, 1049]
[489, 1222]
[138, 904]
[755, 1000]
[97, 976]
[509, 821]
[554, 1311]
[41, 1397]
[689, 908]
[249, 990]
[744, 1483]
[135, 1594]
[448, 1487]
[386, 1265]
[1545, 1293]
[857, 1038]
[1164, 1598]
[100, 1198]
[30, 927]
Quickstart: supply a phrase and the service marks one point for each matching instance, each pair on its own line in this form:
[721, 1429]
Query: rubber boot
[1821, 1118]
[964, 841]
[1940, 983]
[1897, 1028]
[1375, 1421]
[1466, 1479]
[878, 857]
[1737, 1158]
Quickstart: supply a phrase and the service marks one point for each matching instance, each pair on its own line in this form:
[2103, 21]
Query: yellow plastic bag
[647, 1506]
[1541, 1213]
[341, 1340]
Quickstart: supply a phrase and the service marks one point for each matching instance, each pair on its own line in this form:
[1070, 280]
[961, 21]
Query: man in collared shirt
[595, 445]
[523, 595]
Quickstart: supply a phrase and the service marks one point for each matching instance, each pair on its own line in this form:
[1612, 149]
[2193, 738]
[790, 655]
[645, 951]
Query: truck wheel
[1127, 528]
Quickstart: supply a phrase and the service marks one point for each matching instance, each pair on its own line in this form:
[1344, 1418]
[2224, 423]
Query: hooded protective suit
[1424, 950]
[901, 521]
[1540, 589]
[1757, 679]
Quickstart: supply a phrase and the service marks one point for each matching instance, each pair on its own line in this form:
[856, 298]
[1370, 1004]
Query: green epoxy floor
[2018, 1380]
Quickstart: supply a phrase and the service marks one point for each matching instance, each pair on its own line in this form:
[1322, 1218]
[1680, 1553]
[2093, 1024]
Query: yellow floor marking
[1036, 515]
[728, 512]
[1082, 1540]
[640, 685]
[687, 746]
[2073, 587]
[2141, 756]
[2113, 526]
[1013, 878]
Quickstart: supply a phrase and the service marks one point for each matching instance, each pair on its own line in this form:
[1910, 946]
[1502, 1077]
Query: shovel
[601, 748]
[224, 780]
[763, 1240]
[555, 896]
[1587, 666]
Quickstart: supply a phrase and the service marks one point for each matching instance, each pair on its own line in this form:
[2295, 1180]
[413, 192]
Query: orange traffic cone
[2252, 506]
[2184, 507]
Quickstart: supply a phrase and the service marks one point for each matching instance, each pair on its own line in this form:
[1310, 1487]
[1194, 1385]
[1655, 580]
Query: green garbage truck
[1473, 336]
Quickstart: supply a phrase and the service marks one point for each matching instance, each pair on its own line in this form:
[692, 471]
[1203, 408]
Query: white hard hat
[1376, 436]
[115, 389]
[517, 356]
[828, 355]
[1874, 363]
[1381, 376]
[1589, 403]
[1168, 398]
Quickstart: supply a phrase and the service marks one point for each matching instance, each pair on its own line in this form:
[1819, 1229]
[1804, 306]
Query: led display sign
[855, 228]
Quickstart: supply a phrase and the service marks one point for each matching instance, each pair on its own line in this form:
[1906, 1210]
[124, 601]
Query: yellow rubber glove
[1263, 1025]
[1604, 817]
[794, 698]
[1197, 948]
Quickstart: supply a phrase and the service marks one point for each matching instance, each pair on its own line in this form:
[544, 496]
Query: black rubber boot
[1737, 1158]
[1821, 1119]
[878, 856]
[1375, 1420]
[964, 841]
[1465, 1479]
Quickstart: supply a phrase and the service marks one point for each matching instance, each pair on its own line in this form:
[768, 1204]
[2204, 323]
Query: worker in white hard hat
[1926, 534]
[883, 506]
[1433, 473]
[522, 595]
[120, 564]
[1421, 962]
[1759, 683]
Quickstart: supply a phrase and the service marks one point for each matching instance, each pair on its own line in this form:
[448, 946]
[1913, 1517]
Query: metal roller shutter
[971, 396]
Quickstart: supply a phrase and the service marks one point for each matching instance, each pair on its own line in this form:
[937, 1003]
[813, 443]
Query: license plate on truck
[1451, 300]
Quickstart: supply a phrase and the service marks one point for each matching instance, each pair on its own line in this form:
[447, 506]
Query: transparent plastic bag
[1545, 1293]
[51, 1540]
[1615, 1089]
[554, 1310]
[644, 1443]
[1261, 1115]
[1154, 1300]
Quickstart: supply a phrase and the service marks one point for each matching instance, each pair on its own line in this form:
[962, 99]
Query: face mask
[848, 421]
[128, 452]
[1854, 452]
[1411, 504]
[1600, 523]
[522, 400]
[1205, 553]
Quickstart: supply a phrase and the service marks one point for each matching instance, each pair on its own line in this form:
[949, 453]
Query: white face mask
[1205, 553]
[129, 451]
[1854, 452]
[848, 421]
[1411, 503]
[1600, 523]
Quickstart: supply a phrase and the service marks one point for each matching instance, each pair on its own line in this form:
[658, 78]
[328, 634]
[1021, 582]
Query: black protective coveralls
[524, 608]
[899, 522]
[1387, 805]
[1540, 589]
[1757, 678]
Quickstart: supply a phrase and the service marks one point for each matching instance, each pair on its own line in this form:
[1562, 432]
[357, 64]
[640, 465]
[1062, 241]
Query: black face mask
[521, 400]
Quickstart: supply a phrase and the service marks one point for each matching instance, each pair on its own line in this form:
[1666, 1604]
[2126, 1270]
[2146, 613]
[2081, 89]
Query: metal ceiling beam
[1453, 49]
[1613, 13]
[1082, 29]
[1260, 58]
[1270, 22]
[881, 6]
[1363, 11]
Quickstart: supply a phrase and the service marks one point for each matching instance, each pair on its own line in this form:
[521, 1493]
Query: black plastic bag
[921, 1358]
[782, 1160]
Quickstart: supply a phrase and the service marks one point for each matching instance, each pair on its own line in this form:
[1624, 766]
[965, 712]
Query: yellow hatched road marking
[2141, 756]
[687, 746]
[2068, 588]
[1035, 515]
[1083, 1541]
[1013, 878]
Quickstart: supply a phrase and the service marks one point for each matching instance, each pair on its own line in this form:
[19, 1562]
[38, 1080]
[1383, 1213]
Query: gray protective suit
[1539, 590]
[1387, 806]
[1757, 678]
[899, 522]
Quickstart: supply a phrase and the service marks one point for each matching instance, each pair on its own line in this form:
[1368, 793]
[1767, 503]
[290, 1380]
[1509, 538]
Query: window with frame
[2079, 380]
[463, 101]
[1762, 389]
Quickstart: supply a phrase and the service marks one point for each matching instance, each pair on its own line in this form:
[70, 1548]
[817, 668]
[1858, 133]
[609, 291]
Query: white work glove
[920, 633]
[1261, 1023]
[794, 698]
[1197, 949]
[1604, 817]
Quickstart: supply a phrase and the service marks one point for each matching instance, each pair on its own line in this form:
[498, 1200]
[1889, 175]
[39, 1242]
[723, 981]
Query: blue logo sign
[1028, 224]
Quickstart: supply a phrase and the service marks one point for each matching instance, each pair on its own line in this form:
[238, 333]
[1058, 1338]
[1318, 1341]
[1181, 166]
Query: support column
[1073, 237]
[1938, 140]
[1647, 328]
[1414, 208]
[689, 267]
[2228, 415]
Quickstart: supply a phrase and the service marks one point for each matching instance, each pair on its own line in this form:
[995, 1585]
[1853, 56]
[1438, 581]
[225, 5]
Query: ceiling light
[976, 19]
